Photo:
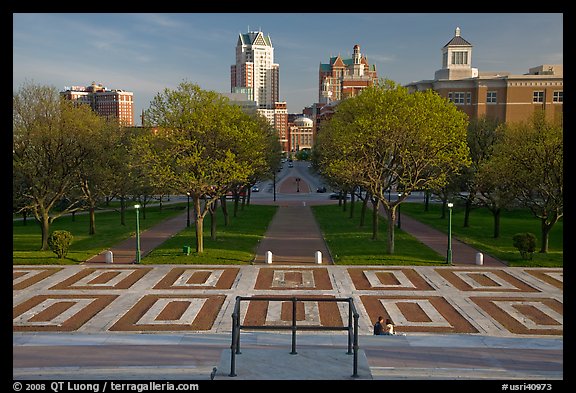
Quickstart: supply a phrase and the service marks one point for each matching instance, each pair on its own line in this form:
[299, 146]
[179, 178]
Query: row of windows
[461, 98]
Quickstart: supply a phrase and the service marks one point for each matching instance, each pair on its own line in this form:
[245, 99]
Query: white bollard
[268, 257]
[318, 257]
[109, 257]
[479, 259]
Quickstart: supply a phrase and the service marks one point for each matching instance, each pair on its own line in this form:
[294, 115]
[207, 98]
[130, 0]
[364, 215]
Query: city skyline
[146, 53]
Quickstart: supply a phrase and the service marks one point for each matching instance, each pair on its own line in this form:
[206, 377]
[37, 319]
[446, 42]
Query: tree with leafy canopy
[530, 160]
[387, 138]
[201, 146]
[52, 140]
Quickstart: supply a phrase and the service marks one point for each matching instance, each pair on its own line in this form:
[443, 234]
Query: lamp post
[188, 210]
[297, 184]
[449, 252]
[137, 207]
[399, 224]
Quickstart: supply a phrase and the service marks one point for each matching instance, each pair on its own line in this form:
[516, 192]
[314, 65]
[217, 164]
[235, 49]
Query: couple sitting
[384, 328]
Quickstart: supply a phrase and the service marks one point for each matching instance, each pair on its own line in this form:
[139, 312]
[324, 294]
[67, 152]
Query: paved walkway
[94, 351]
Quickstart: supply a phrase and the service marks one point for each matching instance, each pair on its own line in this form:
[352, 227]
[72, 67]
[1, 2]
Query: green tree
[481, 136]
[51, 139]
[201, 146]
[389, 138]
[530, 159]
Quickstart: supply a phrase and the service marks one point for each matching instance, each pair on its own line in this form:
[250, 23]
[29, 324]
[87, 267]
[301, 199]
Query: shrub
[525, 243]
[59, 242]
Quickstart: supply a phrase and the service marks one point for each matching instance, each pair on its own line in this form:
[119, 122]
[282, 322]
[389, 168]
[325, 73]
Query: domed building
[301, 133]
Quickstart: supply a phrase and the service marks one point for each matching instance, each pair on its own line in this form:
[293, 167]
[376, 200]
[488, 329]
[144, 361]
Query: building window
[491, 97]
[538, 96]
[558, 96]
[459, 57]
[468, 98]
[457, 97]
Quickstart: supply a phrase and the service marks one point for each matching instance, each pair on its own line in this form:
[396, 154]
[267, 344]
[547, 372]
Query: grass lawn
[351, 245]
[481, 230]
[26, 239]
[235, 243]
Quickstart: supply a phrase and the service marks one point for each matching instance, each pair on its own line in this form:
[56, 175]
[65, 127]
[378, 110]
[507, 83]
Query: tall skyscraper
[108, 103]
[256, 75]
[255, 69]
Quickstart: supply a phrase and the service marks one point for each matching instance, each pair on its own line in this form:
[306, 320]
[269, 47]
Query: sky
[148, 52]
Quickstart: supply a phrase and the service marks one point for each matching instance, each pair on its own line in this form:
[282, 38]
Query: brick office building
[500, 96]
[341, 78]
[105, 102]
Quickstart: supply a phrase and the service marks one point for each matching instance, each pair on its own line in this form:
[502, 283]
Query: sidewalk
[266, 356]
[125, 251]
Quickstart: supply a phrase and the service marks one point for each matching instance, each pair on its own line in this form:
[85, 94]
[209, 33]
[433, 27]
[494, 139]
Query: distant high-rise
[257, 76]
[255, 69]
[108, 103]
[342, 78]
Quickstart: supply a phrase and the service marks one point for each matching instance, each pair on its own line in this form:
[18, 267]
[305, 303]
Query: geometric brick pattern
[551, 276]
[101, 278]
[58, 312]
[493, 280]
[392, 279]
[525, 315]
[23, 277]
[171, 313]
[418, 313]
[198, 278]
[293, 278]
[136, 298]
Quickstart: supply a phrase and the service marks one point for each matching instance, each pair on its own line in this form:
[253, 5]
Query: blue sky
[148, 52]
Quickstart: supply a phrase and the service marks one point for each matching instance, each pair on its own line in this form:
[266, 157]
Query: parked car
[336, 195]
[321, 189]
[255, 189]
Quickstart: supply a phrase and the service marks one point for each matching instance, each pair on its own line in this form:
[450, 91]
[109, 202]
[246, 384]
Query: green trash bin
[186, 250]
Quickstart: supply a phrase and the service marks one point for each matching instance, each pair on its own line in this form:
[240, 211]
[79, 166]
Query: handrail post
[349, 326]
[238, 328]
[355, 370]
[293, 327]
[233, 345]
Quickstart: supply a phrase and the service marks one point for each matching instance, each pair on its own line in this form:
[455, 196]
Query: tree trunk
[199, 225]
[24, 216]
[363, 211]
[467, 211]
[391, 213]
[545, 235]
[213, 210]
[225, 210]
[122, 211]
[496, 213]
[92, 229]
[236, 202]
[352, 198]
[344, 195]
[45, 228]
[375, 206]
[426, 200]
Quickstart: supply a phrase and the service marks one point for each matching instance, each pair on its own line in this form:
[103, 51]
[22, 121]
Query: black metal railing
[352, 327]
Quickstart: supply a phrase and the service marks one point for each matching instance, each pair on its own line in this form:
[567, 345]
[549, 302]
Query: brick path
[456, 313]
